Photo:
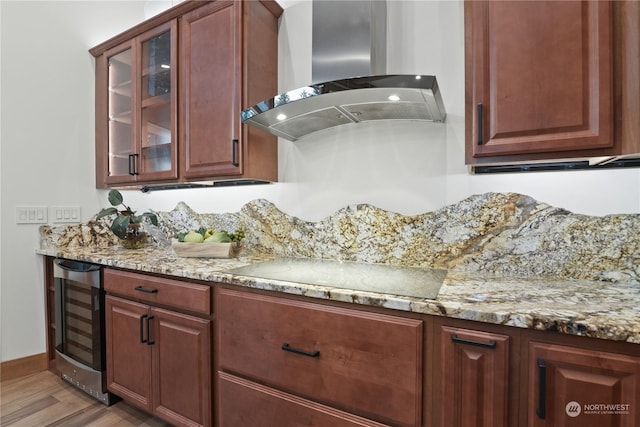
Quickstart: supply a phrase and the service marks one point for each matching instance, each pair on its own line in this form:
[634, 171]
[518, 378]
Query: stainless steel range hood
[348, 66]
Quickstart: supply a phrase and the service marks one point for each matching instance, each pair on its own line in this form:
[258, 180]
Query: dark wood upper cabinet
[169, 93]
[210, 113]
[542, 82]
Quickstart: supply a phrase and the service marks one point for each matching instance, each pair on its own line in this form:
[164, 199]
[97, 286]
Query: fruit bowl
[205, 250]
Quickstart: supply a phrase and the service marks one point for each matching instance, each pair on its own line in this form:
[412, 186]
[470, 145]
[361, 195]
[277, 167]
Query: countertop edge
[609, 326]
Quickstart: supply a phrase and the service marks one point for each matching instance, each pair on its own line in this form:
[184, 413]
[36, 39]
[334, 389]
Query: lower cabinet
[474, 376]
[159, 359]
[288, 361]
[321, 362]
[580, 387]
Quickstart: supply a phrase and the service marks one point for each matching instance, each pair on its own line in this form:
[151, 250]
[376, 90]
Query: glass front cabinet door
[141, 108]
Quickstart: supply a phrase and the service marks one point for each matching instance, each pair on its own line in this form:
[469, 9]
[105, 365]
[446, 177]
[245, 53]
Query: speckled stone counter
[510, 260]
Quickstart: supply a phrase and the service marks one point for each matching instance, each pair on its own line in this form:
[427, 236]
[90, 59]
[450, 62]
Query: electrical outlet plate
[31, 214]
[65, 214]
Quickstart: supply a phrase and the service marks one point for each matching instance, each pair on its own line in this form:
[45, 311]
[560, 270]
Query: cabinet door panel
[156, 109]
[475, 368]
[140, 123]
[210, 46]
[118, 124]
[182, 367]
[572, 387]
[128, 358]
[268, 405]
[542, 72]
[346, 358]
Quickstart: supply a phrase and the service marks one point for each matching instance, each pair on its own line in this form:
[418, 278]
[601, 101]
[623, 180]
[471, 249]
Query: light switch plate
[65, 214]
[31, 214]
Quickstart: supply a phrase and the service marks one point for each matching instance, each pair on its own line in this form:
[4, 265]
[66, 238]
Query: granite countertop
[571, 306]
[506, 259]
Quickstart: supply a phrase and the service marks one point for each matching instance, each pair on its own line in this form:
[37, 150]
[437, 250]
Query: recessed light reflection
[418, 77]
[394, 98]
[165, 66]
[281, 117]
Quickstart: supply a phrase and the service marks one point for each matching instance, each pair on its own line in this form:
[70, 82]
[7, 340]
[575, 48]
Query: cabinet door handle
[542, 388]
[142, 319]
[314, 353]
[458, 340]
[234, 152]
[149, 342]
[143, 289]
[132, 164]
[480, 108]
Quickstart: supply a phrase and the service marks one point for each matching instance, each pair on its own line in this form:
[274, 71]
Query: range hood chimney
[349, 81]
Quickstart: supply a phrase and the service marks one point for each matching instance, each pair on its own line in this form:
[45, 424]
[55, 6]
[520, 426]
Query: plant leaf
[152, 217]
[119, 226]
[106, 212]
[115, 197]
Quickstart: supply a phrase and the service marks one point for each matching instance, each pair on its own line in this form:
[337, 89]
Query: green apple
[218, 237]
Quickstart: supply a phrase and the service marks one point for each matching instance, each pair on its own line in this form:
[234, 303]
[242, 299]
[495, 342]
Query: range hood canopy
[349, 39]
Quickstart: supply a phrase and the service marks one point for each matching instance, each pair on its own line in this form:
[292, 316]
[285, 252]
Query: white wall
[47, 140]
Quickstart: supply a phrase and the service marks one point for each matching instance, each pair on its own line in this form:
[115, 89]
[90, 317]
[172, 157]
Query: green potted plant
[126, 224]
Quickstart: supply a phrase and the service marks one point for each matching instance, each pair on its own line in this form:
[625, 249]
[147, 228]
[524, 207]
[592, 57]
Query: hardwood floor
[44, 400]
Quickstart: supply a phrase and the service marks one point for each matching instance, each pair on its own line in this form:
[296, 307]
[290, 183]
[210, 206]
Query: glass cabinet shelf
[159, 100]
[123, 89]
[124, 117]
[119, 156]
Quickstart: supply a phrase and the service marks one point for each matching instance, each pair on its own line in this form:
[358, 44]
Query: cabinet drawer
[365, 363]
[157, 290]
[244, 403]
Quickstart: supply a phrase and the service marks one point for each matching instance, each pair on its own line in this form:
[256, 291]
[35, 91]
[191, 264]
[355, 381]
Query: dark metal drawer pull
[542, 388]
[287, 347]
[149, 342]
[456, 339]
[149, 291]
[234, 152]
[480, 130]
[132, 164]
